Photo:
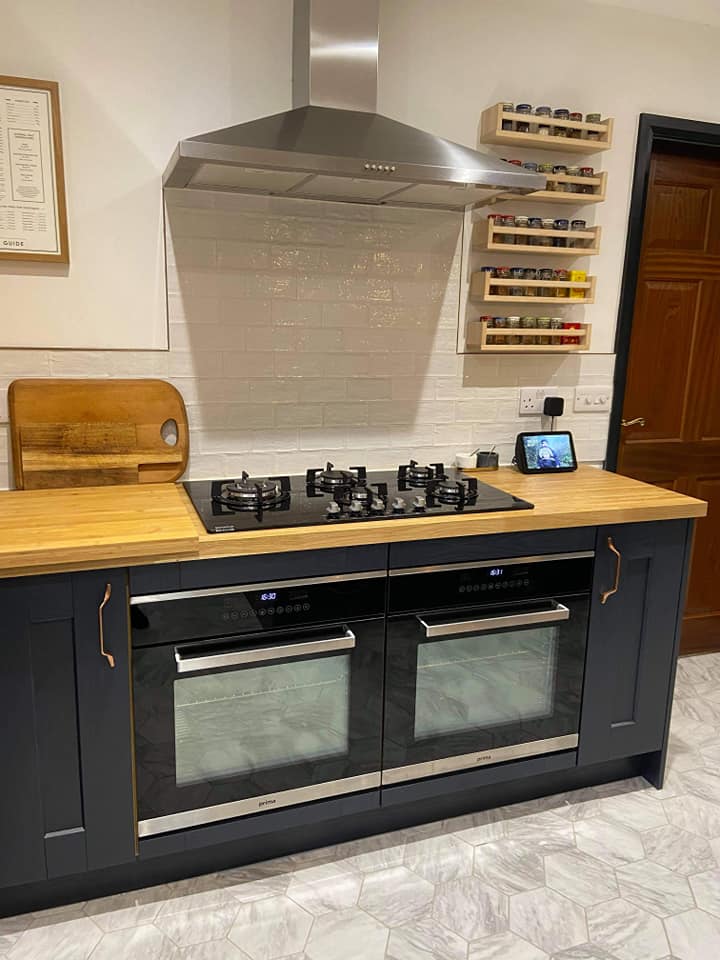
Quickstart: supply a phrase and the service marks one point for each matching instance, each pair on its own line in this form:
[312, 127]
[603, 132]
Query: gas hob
[333, 495]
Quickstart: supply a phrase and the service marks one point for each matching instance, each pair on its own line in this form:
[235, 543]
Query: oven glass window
[242, 721]
[474, 681]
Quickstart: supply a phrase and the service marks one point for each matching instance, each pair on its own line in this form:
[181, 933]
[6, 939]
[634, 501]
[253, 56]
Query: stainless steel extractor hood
[333, 145]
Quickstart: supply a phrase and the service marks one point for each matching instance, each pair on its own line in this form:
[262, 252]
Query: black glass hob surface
[339, 495]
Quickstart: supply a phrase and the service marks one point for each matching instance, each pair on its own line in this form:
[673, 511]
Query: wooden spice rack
[485, 238]
[479, 334]
[481, 282]
[598, 183]
[491, 131]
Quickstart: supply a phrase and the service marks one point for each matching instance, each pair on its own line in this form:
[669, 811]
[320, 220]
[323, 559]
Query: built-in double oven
[250, 698]
[253, 697]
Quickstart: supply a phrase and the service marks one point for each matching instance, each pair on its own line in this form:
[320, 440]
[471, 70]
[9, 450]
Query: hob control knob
[333, 509]
[398, 505]
[378, 505]
[419, 502]
[356, 506]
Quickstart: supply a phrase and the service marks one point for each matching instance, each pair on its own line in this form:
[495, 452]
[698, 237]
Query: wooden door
[674, 366]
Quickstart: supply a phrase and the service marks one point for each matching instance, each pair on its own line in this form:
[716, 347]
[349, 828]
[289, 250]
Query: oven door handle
[556, 613]
[214, 661]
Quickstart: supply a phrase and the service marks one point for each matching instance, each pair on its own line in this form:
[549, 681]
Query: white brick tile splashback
[304, 331]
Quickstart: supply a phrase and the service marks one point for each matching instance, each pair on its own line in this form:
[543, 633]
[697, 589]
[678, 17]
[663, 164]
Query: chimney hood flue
[333, 145]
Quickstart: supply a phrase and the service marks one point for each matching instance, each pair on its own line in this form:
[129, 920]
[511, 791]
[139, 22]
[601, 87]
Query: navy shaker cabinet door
[104, 715]
[635, 616]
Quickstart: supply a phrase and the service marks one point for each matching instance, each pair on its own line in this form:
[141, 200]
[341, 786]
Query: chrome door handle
[556, 613]
[636, 422]
[606, 594]
[101, 626]
[213, 661]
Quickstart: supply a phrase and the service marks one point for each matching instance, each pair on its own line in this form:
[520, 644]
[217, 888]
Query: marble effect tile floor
[618, 872]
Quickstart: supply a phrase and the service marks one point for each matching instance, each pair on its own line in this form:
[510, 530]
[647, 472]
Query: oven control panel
[224, 612]
[467, 584]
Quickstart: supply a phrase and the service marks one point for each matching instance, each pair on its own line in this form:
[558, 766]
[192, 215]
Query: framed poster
[33, 217]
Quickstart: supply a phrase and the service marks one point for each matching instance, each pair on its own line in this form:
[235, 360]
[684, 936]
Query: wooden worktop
[56, 530]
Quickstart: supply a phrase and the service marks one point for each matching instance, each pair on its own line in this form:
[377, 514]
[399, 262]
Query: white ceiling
[694, 11]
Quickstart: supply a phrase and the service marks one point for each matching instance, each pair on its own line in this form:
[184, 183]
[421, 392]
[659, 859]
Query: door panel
[631, 641]
[657, 379]
[674, 360]
[677, 217]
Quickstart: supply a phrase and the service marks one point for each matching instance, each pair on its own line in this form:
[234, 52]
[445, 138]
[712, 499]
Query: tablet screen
[553, 451]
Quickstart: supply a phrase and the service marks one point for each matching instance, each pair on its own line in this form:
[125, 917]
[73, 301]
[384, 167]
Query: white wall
[148, 74]
[442, 63]
[135, 77]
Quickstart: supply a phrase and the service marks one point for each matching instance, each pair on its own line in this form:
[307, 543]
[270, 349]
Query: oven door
[483, 685]
[240, 724]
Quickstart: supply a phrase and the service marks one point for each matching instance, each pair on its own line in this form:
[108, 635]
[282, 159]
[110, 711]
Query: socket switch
[532, 399]
[592, 399]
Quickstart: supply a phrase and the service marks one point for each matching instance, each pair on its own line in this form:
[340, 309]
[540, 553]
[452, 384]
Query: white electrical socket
[592, 399]
[533, 398]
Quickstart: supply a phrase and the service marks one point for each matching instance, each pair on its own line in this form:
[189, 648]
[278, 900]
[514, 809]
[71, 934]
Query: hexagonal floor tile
[678, 850]
[146, 941]
[706, 889]
[510, 865]
[350, 934]
[471, 908]
[126, 909]
[198, 926]
[271, 928]
[694, 814]
[586, 951]
[638, 811]
[548, 920]
[654, 888]
[425, 940]
[71, 938]
[212, 950]
[694, 935]
[626, 931]
[480, 827]
[439, 859]
[324, 888]
[548, 832]
[580, 877]
[609, 841]
[396, 895]
[504, 946]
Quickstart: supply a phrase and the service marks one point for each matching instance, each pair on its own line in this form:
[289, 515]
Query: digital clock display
[268, 596]
[496, 571]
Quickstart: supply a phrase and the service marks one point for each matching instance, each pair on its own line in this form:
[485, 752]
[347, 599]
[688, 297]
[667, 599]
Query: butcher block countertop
[44, 531]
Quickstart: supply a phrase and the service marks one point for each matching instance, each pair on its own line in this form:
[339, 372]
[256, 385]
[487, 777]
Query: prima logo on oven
[483, 757]
[267, 803]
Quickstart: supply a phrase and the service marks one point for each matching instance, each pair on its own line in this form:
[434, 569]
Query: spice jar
[502, 273]
[559, 130]
[561, 275]
[572, 131]
[528, 323]
[513, 323]
[548, 223]
[593, 118]
[523, 126]
[530, 165]
[578, 225]
[522, 222]
[570, 325]
[543, 323]
[572, 187]
[499, 324]
[517, 273]
[544, 113]
[507, 124]
[560, 224]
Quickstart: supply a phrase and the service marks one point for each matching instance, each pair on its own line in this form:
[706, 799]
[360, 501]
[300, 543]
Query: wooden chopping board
[79, 433]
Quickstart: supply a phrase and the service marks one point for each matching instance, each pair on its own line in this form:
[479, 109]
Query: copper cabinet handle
[606, 594]
[635, 422]
[103, 653]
